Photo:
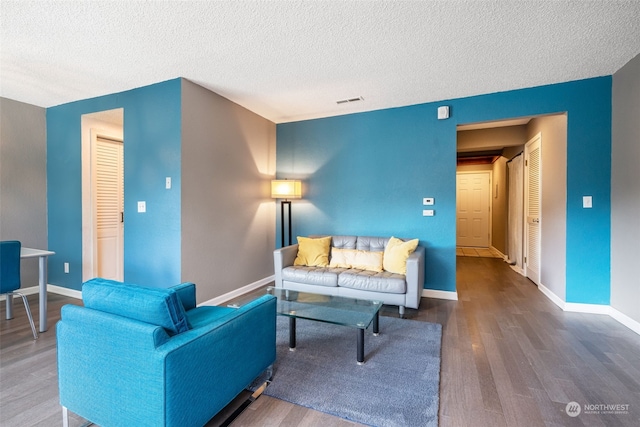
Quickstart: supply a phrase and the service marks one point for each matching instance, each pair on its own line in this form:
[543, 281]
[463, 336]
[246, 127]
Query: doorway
[490, 146]
[103, 195]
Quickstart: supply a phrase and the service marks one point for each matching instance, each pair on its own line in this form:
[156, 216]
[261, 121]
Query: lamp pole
[283, 203]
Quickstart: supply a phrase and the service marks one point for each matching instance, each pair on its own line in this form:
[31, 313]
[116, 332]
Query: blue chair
[10, 279]
[137, 356]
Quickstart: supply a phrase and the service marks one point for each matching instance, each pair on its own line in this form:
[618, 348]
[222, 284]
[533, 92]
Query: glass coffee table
[354, 313]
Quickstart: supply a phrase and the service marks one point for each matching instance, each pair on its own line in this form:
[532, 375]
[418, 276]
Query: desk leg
[42, 282]
[9, 305]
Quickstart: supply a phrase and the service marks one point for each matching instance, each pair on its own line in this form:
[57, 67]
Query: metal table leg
[292, 333]
[360, 346]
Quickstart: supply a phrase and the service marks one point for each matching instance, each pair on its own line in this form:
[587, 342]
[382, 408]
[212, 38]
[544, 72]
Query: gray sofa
[393, 289]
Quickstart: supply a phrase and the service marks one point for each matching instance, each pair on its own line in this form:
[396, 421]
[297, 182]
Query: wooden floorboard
[510, 357]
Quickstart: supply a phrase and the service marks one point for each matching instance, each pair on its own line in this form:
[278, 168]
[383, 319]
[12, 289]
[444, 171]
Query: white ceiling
[292, 60]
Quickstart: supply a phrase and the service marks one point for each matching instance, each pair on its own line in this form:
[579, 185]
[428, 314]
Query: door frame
[103, 124]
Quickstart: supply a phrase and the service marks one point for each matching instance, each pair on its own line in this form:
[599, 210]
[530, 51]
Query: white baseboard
[64, 291]
[240, 291]
[625, 320]
[50, 288]
[553, 297]
[592, 309]
[499, 251]
[432, 293]
[26, 291]
[586, 308]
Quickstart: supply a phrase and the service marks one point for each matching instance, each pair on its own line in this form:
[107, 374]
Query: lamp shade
[286, 189]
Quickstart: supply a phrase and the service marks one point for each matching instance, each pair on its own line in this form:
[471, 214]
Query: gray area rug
[397, 386]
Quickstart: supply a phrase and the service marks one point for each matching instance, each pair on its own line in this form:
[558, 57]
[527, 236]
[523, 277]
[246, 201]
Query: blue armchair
[149, 357]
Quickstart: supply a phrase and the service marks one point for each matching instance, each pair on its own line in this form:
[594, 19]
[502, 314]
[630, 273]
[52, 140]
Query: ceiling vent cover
[347, 101]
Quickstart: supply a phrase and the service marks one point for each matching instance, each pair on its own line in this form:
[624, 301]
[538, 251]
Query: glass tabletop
[326, 308]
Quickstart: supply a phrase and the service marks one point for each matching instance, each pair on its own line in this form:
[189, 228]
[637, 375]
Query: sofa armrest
[415, 277]
[187, 294]
[282, 258]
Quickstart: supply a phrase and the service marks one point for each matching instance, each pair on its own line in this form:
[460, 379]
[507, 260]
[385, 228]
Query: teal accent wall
[152, 150]
[366, 174]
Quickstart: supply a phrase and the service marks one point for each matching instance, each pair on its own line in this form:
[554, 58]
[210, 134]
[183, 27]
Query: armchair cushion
[157, 306]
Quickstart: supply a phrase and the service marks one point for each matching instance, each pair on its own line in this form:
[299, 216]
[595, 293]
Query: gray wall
[228, 218]
[625, 190]
[23, 180]
[553, 129]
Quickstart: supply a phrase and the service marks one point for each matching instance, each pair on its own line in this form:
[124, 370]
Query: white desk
[42, 279]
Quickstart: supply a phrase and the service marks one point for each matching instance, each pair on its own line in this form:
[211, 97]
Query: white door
[473, 209]
[532, 197]
[108, 184]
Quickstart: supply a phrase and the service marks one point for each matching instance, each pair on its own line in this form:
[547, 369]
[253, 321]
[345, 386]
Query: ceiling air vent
[347, 101]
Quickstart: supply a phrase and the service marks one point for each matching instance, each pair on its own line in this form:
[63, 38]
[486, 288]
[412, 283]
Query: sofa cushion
[374, 244]
[313, 252]
[321, 276]
[396, 254]
[344, 242]
[371, 281]
[157, 306]
[353, 258]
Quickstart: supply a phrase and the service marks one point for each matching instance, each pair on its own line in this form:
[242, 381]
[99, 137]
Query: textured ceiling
[292, 60]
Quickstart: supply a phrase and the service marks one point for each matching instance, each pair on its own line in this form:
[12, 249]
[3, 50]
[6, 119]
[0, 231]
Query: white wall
[625, 190]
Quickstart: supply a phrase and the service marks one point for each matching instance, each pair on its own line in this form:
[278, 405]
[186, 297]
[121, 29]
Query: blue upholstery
[117, 371]
[157, 306]
[9, 266]
[10, 279]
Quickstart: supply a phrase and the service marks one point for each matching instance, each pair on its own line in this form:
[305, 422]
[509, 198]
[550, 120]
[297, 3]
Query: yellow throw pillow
[352, 258]
[396, 254]
[313, 252]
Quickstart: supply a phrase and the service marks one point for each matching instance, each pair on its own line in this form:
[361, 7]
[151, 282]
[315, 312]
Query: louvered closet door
[532, 209]
[109, 200]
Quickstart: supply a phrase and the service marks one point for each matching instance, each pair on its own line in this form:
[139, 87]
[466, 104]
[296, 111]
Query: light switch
[167, 183]
[142, 207]
[428, 212]
[587, 202]
[428, 201]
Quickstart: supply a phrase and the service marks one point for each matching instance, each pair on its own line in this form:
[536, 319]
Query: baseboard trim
[553, 297]
[504, 257]
[73, 293]
[240, 291]
[625, 320]
[591, 309]
[25, 291]
[433, 293]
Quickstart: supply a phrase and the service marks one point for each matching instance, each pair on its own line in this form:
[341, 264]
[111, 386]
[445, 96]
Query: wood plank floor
[510, 357]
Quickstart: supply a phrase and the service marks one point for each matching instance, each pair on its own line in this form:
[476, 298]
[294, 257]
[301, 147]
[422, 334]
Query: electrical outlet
[142, 207]
[428, 201]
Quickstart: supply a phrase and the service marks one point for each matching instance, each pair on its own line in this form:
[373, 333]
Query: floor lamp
[286, 189]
